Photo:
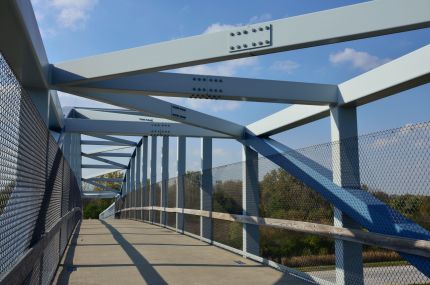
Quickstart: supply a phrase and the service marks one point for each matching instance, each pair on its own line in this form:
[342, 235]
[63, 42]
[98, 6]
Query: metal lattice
[37, 186]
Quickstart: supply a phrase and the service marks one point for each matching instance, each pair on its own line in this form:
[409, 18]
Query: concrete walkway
[124, 252]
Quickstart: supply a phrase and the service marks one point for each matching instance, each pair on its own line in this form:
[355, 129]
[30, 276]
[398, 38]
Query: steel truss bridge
[41, 183]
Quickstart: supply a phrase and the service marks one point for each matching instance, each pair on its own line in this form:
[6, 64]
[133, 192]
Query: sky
[76, 28]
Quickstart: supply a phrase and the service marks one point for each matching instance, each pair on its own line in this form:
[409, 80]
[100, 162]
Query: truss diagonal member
[108, 161]
[217, 87]
[100, 186]
[406, 72]
[114, 139]
[359, 205]
[382, 17]
[166, 110]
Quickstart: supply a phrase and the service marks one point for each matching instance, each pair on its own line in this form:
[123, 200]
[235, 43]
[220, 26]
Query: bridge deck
[129, 252]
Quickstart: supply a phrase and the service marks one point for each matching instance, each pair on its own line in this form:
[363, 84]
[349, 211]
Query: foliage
[93, 207]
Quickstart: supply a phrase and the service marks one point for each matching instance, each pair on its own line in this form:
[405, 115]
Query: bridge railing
[108, 213]
[40, 202]
[295, 230]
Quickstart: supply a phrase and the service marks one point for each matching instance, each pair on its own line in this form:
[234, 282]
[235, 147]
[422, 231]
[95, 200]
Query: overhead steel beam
[333, 26]
[406, 72]
[114, 139]
[103, 187]
[217, 87]
[99, 166]
[104, 179]
[136, 128]
[166, 110]
[115, 114]
[109, 154]
[99, 195]
[93, 142]
[106, 149]
[288, 118]
[104, 160]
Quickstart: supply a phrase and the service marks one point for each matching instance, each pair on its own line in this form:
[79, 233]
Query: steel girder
[216, 87]
[135, 128]
[406, 72]
[382, 17]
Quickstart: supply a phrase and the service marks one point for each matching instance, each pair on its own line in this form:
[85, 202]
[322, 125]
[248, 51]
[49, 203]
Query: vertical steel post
[250, 200]
[164, 178]
[346, 173]
[127, 198]
[206, 188]
[138, 191]
[133, 184]
[145, 190]
[153, 177]
[181, 155]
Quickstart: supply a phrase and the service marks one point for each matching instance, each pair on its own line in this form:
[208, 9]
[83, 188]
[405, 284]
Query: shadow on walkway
[146, 270]
[67, 266]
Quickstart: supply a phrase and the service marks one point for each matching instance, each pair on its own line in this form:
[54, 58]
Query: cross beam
[382, 17]
[217, 87]
[166, 110]
[385, 80]
[136, 128]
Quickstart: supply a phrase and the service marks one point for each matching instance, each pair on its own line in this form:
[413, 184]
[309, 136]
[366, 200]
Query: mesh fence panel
[393, 166]
[37, 186]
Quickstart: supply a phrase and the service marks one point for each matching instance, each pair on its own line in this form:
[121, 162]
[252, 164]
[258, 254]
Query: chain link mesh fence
[37, 188]
[393, 166]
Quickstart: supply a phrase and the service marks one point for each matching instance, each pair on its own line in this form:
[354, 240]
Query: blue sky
[77, 28]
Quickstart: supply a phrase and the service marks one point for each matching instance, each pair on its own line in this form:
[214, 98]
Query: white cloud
[70, 14]
[218, 27]
[262, 18]
[219, 152]
[357, 59]
[287, 66]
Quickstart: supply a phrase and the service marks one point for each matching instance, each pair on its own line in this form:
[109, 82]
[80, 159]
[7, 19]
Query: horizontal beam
[109, 154]
[114, 139]
[115, 114]
[104, 179]
[99, 195]
[95, 157]
[93, 142]
[103, 187]
[99, 166]
[382, 17]
[288, 118]
[136, 128]
[165, 110]
[406, 72]
[217, 87]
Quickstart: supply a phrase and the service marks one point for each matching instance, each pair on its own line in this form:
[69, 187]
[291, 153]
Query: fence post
[250, 200]
[138, 179]
[145, 190]
[206, 188]
[346, 173]
[164, 178]
[180, 183]
[153, 176]
[133, 184]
